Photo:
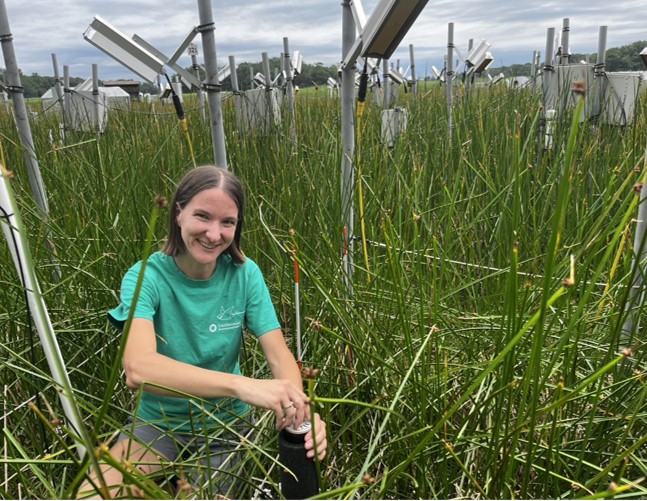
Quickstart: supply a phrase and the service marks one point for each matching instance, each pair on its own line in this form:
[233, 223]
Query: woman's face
[207, 225]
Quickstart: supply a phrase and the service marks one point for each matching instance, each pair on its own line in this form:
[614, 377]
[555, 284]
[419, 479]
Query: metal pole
[18, 248]
[196, 72]
[95, 96]
[268, 91]
[598, 72]
[386, 84]
[550, 98]
[565, 48]
[449, 75]
[533, 69]
[211, 83]
[638, 267]
[238, 96]
[58, 88]
[347, 97]
[414, 87]
[14, 86]
[69, 118]
[467, 77]
[290, 88]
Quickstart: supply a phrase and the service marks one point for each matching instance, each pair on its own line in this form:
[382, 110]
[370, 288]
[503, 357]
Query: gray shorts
[204, 461]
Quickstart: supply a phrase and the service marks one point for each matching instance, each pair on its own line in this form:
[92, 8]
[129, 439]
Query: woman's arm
[284, 366]
[142, 365]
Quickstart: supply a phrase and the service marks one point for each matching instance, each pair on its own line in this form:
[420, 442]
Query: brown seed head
[638, 187]
[161, 201]
[368, 479]
[627, 353]
[578, 87]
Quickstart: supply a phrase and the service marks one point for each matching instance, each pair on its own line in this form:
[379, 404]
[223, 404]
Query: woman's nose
[213, 231]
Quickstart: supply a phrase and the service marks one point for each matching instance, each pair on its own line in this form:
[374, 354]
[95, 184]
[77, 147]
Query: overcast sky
[247, 28]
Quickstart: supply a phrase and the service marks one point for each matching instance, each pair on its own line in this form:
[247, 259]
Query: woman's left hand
[319, 428]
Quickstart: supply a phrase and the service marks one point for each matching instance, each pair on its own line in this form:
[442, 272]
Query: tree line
[625, 58]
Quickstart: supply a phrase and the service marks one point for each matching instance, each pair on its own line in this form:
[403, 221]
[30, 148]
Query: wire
[361, 97]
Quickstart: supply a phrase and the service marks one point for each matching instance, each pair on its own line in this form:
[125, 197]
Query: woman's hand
[289, 403]
[319, 428]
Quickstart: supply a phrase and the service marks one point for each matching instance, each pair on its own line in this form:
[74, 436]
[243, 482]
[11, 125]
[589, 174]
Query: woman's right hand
[289, 403]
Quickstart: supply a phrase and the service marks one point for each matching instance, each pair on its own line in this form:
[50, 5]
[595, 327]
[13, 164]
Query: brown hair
[195, 181]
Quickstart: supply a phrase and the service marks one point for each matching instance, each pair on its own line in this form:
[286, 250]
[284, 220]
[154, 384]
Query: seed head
[161, 201]
[579, 87]
[368, 479]
[638, 187]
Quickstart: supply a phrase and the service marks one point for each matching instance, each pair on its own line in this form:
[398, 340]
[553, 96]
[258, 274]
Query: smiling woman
[207, 226]
[184, 341]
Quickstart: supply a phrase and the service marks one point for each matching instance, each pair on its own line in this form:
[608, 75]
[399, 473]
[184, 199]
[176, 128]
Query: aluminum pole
[638, 269]
[16, 91]
[238, 95]
[19, 249]
[550, 100]
[386, 85]
[347, 97]
[414, 87]
[268, 92]
[58, 88]
[598, 72]
[67, 100]
[449, 75]
[200, 92]
[95, 97]
[211, 83]
[290, 89]
[565, 48]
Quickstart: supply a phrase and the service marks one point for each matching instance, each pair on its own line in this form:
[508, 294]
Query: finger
[321, 450]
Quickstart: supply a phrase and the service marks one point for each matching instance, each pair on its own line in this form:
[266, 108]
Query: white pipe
[9, 220]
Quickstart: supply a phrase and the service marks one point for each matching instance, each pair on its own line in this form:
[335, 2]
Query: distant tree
[625, 58]
[311, 74]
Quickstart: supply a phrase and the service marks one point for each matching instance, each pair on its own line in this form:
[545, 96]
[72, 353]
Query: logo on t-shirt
[229, 319]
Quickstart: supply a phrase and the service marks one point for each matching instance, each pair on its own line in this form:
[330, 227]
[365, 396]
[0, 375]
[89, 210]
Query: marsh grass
[462, 366]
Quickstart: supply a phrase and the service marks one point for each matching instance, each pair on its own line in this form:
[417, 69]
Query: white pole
[10, 222]
[211, 82]
[347, 96]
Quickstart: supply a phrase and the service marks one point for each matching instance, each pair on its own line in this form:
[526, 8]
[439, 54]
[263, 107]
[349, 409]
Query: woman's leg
[142, 457]
[142, 446]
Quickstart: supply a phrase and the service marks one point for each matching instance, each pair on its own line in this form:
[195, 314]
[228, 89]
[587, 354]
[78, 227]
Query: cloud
[247, 28]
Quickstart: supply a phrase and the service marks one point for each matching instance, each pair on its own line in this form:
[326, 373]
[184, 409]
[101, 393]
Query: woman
[185, 338]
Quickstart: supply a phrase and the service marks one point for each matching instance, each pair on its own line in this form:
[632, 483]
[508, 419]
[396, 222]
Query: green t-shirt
[198, 322]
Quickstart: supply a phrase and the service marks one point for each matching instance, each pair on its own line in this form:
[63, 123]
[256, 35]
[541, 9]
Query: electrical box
[621, 97]
[260, 110]
[394, 123]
